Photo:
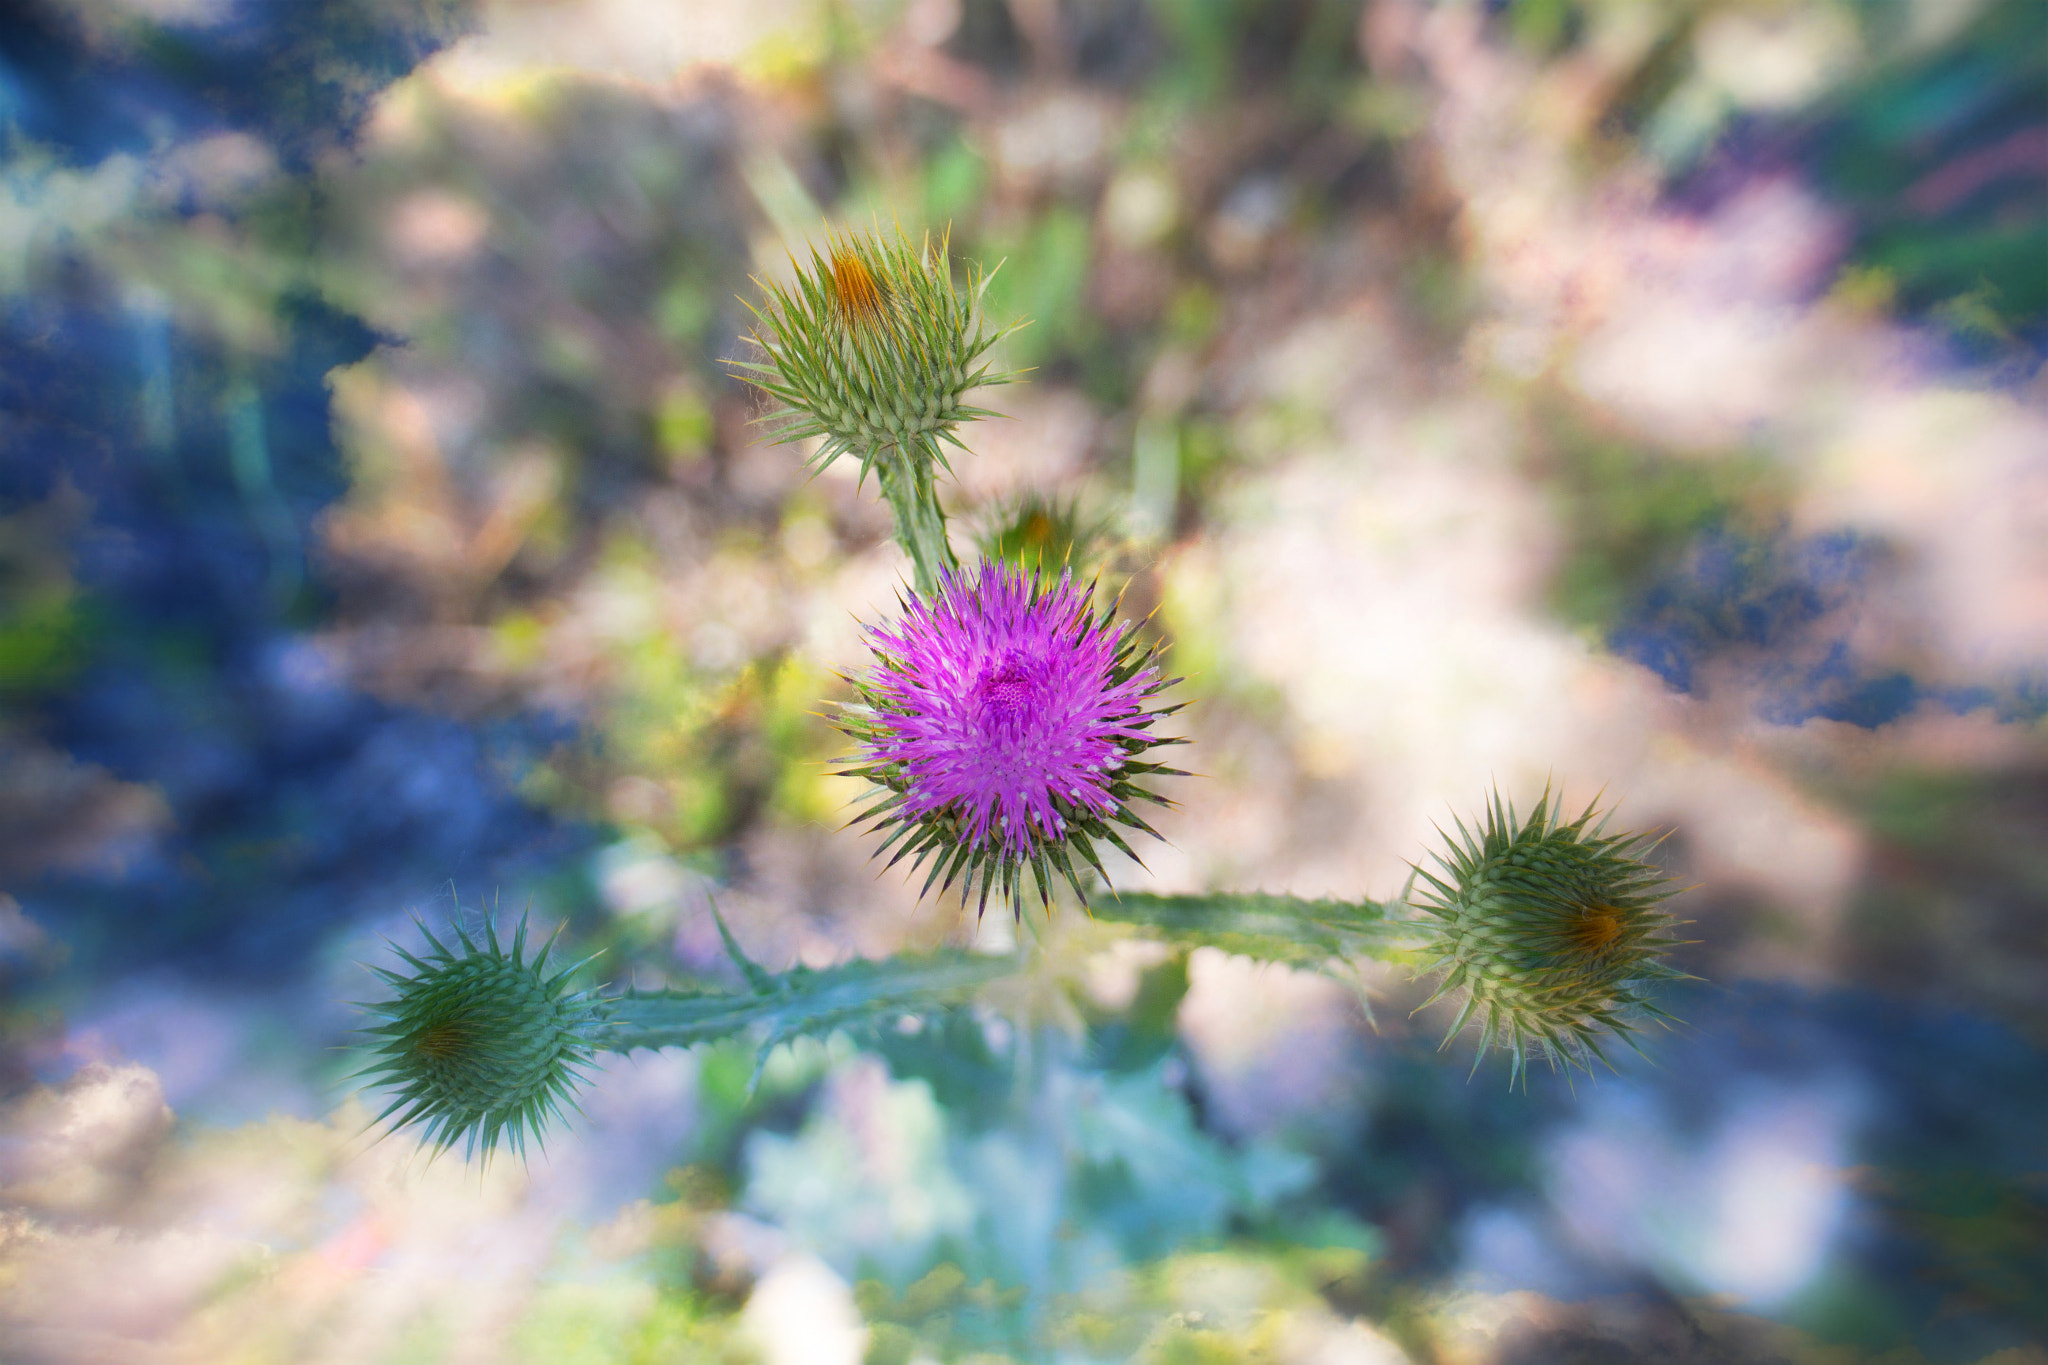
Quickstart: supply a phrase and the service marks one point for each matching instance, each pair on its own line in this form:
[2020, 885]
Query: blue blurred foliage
[296, 804]
[1690, 567]
[299, 73]
[1781, 607]
[1766, 596]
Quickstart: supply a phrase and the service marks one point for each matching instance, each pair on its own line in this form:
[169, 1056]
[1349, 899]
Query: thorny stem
[795, 1003]
[920, 524]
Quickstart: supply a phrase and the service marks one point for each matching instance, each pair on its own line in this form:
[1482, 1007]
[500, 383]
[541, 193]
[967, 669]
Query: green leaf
[800, 1002]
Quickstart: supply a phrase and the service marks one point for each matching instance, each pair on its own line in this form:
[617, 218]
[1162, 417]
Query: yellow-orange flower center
[1595, 930]
[854, 287]
[443, 1040]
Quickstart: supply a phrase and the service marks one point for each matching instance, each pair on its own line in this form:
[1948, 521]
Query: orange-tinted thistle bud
[1551, 930]
[873, 347]
[854, 287]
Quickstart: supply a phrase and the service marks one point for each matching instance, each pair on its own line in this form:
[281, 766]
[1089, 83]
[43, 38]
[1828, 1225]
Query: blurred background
[1641, 398]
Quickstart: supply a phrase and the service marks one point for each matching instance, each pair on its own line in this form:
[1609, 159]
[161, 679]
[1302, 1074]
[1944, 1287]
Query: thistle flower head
[1551, 930]
[1005, 723]
[872, 347]
[479, 1044]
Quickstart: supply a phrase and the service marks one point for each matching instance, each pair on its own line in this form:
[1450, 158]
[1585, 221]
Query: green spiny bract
[873, 347]
[1552, 931]
[480, 1044]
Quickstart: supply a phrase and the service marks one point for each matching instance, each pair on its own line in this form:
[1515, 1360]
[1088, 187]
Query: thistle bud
[1006, 724]
[873, 347]
[1044, 535]
[479, 1044]
[1551, 930]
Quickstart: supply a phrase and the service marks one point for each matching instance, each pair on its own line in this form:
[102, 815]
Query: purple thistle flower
[1004, 723]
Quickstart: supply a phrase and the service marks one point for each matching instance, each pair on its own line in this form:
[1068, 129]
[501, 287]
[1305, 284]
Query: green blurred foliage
[1220, 46]
[1204, 33]
[1847, 1309]
[955, 179]
[1144, 1031]
[1631, 511]
[1044, 268]
[723, 746]
[1989, 1235]
[1194, 315]
[926, 1312]
[612, 1323]
[1045, 535]
[994, 1180]
[44, 638]
[1921, 149]
[1955, 903]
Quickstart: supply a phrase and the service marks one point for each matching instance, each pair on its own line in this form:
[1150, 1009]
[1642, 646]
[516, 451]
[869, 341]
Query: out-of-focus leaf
[1148, 1027]
[972, 1077]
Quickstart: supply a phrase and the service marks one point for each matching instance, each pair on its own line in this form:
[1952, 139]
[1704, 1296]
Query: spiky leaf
[802, 1002]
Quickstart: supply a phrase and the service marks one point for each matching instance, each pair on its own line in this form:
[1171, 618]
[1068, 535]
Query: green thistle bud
[480, 1044]
[873, 348]
[1551, 930]
[1044, 535]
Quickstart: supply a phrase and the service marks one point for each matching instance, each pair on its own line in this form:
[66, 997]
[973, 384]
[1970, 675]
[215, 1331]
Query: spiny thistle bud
[480, 1044]
[1042, 535]
[1005, 723]
[872, 348]
[1552, 931]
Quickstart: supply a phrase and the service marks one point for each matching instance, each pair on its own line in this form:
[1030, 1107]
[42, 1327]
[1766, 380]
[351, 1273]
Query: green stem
[920, 524]
[1303, 933]
[1328, 936]
[799, 1002]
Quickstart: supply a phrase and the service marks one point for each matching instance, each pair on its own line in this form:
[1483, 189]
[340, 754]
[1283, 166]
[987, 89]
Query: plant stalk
[799, 1002]
[920, 524]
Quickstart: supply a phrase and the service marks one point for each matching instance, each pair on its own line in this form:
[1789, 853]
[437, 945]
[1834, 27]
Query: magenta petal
[999, 701]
